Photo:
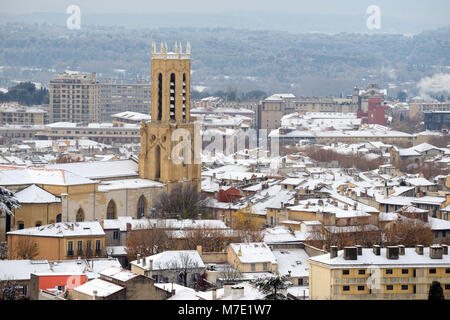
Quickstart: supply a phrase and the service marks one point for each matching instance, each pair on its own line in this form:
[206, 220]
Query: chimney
[436, 251]
[376, 250]
[445, 248]
[128, 227]
[200, 250]
[94, 295]
[150, 264]
[419, 249]
[240, 252]
[214, 294]
[237, 292]
[401, 249]
[346, 207]
[359, 250]
[392, 252]
[227, 289]
[333, 252]
[143, 261]
[350, 253]
[138, 258]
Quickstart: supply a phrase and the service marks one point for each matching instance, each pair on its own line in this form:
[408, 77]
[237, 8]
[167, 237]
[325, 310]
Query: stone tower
[170, 143]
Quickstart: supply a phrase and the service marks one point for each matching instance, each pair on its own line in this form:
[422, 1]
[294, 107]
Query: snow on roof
[35, 194]
[438, 224]
[118, 274]
[369, 259]
[130, 115]
[101, 169]
[103, 288]
[422, 182]
[128, 184]
[37, 175]
[171, 259]
[253, 252]
[63, 229]
[280, 234]
[429, 200]
[21, 269]
[292, 181]
[292, 262]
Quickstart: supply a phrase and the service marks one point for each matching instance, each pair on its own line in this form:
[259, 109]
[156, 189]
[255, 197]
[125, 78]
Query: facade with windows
[60, 241]
[380, 273]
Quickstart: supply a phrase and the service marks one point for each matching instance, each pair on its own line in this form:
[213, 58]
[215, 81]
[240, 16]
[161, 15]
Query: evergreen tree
[272, 287]
[436, 293]
[7, 201]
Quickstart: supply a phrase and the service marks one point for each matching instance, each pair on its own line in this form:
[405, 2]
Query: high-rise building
[74, 98]
[171, 121]
[116, 97]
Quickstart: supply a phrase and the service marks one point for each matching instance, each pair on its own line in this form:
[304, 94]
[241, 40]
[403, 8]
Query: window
[97, 245]
[361, 271]
[80, 216]
[447, 270]
[346, 288]
[300, 282]
[345, 272]
[20, 225]
[432, 271]
[388, 271]
[404, 287]
[70, 248]
[405, 271]
[389, 287]
[447, 287]
[253, 267]
[115, 235]
[59, 217]
[80, 246]
[111, 210]
[38, 224]
[265, 266]
[141, 207]
[360, 288]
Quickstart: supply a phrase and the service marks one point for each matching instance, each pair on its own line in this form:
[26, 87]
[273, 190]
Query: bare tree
[184, 200]
[408, 232]
[25, 249]
[10, 289]
[230, 274]
[183, 265]
[148, 241]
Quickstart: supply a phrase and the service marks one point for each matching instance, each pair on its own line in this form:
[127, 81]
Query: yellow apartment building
[60, 241]
[395, 272]
[251, 257]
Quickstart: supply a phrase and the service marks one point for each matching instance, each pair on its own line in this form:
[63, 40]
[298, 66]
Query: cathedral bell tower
[170, 146]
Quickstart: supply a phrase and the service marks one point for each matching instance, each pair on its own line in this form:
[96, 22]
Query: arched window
[80, 216]
[111, 210]
[38, 224]
[20, 225]
[172, 96]
[141, 207]
[157, 162]
[159, 97]
[59, 217]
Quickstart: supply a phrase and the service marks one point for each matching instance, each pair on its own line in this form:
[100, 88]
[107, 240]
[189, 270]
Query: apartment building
[73, 97]
[13, 113]
[394, 272]
[115, 97]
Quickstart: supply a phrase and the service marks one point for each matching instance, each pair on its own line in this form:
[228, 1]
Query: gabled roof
[35, 194]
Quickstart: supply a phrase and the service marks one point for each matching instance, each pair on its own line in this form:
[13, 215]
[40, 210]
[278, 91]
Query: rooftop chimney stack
[237, 292]
[359, 249]
[392, 252]
[350, 253]
[401, 249]
[445, 248]
[138, 258]
[150, 264]
[436, 251]
[419, 249]
[333, 252]
[214, 294]
[376, 250]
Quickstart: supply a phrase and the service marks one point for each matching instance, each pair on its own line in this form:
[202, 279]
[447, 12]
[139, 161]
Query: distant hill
[304, 63]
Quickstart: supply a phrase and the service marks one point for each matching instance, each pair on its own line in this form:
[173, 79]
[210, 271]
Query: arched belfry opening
[172, 96]
[160, 107]
[157, 162]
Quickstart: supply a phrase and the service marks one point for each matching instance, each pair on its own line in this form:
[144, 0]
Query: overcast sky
[400, 8]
